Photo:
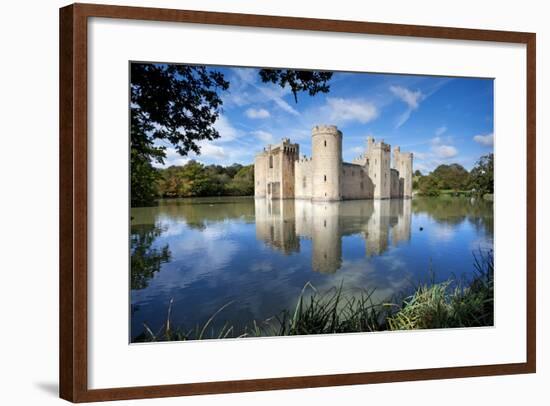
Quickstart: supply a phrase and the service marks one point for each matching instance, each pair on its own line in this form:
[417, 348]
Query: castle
[280, 173]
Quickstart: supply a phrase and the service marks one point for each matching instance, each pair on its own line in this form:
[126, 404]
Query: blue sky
[439, 119]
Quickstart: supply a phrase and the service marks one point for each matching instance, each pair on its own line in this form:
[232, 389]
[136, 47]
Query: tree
[177, 105]
[298, 80]
[428, 186]
[481, 175]
[417, 173]
[452, 176]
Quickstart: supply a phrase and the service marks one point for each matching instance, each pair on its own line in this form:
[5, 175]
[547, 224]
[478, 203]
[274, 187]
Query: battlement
[381, 145]
[325, 129]
[304, 159]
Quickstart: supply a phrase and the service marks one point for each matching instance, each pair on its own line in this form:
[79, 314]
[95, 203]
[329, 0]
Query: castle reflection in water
[281, 224]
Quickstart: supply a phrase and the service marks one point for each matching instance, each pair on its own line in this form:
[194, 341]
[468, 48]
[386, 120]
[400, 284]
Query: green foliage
[417, 173]
[481, 176]
[428, 186]
[195, 179]
[298, 80]
[439, 306]
[456, 180]
[452, 176]
[176, 104]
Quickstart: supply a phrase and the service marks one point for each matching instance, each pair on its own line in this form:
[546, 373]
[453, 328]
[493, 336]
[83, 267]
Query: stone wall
[303, 182]
[356, 183]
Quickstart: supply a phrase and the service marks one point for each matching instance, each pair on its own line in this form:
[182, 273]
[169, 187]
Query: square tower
[378, 160]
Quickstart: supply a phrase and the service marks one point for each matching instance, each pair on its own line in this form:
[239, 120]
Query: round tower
[326, 154]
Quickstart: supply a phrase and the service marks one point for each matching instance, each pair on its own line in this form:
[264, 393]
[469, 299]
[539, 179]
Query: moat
[258, 254]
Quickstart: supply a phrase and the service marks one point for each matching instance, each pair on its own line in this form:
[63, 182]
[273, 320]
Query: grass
[465, 303]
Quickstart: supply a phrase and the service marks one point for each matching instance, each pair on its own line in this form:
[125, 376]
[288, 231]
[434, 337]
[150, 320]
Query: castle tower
[274, 170]
[326, 151]
[403, 163]
[378, 161]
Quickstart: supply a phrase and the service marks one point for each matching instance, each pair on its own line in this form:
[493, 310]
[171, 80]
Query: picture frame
[74, 201]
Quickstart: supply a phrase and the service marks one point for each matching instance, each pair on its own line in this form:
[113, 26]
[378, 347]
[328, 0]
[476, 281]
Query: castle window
[375, 161]
[271, 161]
[325, 143]
[304, 182]
[325, 178]
[325, 223]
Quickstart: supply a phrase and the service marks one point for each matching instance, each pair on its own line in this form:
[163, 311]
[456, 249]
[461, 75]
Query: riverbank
[453, 303]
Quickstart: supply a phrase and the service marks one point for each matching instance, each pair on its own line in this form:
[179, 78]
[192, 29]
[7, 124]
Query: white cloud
[411, 98]
[264, 136]
[211, 151]
[344, 110]
[257, 113]
[357, 150]
[444, 151]
[441, 150]
[226, 129]
[487, 139]
[275, 94]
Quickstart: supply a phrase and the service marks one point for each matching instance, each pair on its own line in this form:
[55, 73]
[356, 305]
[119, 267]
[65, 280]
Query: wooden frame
[73, 361]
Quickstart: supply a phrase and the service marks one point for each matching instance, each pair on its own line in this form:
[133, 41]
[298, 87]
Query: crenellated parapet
[326, 129]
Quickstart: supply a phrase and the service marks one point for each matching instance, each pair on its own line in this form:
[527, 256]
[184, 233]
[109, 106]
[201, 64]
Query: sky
[442, 120]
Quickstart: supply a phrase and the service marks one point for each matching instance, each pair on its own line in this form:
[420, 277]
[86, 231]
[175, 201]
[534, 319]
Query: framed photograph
[254, 202]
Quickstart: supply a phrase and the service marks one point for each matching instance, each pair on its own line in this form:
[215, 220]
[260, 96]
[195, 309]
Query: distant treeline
[195, 179]
[455, 179]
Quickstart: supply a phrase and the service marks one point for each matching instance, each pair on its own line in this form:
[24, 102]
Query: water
[204, 253]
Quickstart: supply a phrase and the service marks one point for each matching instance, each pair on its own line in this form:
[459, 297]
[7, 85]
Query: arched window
[271, 161]
[325, 178]
[325, 143]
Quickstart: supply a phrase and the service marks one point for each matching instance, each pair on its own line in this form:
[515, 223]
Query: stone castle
[280, 172]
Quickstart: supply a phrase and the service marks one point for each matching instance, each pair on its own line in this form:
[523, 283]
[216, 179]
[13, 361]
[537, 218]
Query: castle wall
[356, 183]
[395, 188]
[260, 171]
[303, 182]
[327, 162]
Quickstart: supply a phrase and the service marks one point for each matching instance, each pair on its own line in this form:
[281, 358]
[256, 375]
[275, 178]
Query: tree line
[195, 179]
[454, 178]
